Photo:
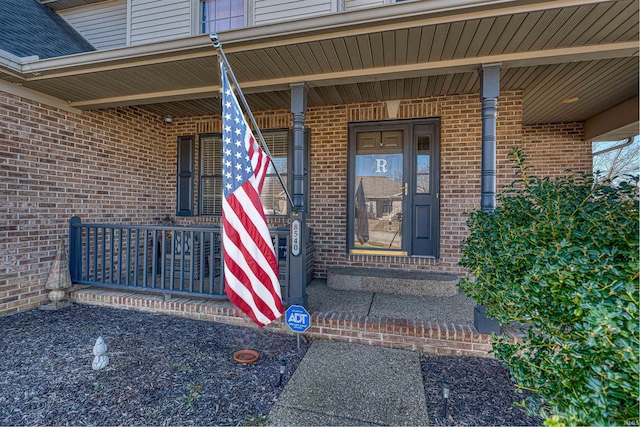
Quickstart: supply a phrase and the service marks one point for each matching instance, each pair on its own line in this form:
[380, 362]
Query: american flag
[250, 265]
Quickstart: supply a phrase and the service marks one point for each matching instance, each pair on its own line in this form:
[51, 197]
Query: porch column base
[303, 300]
[484, 324]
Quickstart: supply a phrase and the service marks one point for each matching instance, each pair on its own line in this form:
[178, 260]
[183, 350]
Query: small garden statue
[101, 359]
[58, 282]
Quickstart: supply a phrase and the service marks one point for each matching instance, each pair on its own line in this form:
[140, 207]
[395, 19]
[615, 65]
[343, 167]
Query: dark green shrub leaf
[561, 255]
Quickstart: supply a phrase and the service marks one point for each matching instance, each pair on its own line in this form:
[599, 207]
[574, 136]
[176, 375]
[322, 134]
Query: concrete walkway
[343, 384]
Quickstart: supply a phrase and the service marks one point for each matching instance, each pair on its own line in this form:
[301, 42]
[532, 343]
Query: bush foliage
[561, 257]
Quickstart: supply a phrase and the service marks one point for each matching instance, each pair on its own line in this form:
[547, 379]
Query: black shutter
[184, 191]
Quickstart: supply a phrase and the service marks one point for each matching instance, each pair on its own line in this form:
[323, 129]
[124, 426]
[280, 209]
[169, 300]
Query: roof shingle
[30, 28]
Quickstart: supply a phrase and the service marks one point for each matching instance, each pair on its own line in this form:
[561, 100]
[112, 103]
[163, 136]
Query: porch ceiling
[599, 84]
[549, 50]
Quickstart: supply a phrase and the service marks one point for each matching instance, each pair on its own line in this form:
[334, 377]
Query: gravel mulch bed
[168, 370]
[163, 370]
[482, 393]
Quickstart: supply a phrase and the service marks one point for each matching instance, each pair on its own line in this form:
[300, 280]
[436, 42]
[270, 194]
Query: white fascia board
[624, 115]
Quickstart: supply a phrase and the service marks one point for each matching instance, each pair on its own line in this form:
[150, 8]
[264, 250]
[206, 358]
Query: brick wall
[552, 149]
[119, 166]
[104, 166]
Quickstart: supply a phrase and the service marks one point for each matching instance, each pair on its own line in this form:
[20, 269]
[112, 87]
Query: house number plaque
[295, 237]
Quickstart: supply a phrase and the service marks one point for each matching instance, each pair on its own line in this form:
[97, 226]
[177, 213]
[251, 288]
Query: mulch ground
[163, 370]
[481, 393]
[168, 370]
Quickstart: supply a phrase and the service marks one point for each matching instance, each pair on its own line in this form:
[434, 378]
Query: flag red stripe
[255, 268]
[246, 219]
[237, 271]
[252, 141]
[262, 165]
[239, 302]
[266, 249]
[238, 279]
[263, 174]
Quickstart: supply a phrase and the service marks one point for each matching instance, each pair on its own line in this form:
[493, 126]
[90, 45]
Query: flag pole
[217, 45]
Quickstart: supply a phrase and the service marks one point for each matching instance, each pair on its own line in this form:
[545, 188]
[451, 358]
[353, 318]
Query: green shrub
[561, 256]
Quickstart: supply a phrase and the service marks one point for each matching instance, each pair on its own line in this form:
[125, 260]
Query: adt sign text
[298, 318]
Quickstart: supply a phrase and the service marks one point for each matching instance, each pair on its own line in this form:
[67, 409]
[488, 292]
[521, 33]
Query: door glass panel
[423, 162]
[379, 190]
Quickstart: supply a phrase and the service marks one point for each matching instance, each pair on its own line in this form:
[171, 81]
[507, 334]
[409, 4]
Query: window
[210, 200]
[423, 164]
[378, 175]
[274, 199]
[615, 159]
[222, 15]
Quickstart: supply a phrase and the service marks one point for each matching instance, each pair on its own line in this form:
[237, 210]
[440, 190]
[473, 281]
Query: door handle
[405, 189]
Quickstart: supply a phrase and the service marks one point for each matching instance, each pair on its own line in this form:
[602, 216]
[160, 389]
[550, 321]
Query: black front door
[394, 185]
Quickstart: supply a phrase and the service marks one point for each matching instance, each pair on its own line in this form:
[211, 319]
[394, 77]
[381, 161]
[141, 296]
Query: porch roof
[29, 28]
[550, 50]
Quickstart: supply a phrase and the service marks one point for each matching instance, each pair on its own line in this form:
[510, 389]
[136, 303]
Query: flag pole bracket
[215, 40]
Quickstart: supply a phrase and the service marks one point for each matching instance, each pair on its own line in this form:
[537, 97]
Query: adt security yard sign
[298, 318]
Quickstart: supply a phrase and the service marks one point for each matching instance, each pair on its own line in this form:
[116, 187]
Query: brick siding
[104, 166]
[119, 166]
[429, 337]
[552, 149]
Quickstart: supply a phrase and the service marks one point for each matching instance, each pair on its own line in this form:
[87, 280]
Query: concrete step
[392, 281]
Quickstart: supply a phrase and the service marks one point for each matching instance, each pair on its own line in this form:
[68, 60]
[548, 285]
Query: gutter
[12, 64]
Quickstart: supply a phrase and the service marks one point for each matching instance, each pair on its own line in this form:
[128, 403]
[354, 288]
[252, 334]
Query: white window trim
[196, 18]
[128, 30]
